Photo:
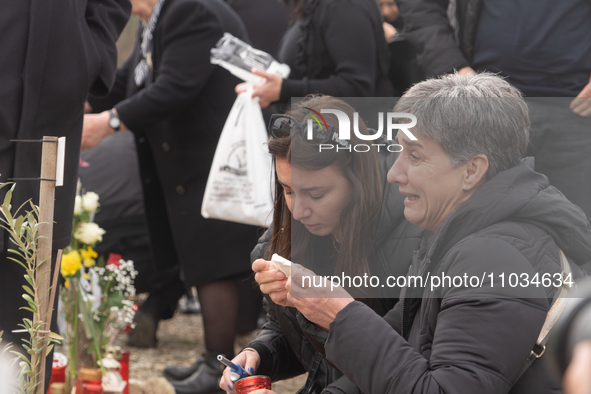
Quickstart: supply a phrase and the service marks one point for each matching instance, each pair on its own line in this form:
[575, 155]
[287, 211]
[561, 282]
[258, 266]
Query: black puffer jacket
[455, 339]
[290, 345]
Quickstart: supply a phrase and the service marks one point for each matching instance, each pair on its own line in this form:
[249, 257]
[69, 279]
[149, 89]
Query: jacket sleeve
[189, 30]
[105, 20]
[427, 26]
[278, 361]
[479, 343]
[117, 93]
[349, 38]
[341, 386]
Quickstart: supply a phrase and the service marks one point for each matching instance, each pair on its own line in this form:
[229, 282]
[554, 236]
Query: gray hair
[469, 115]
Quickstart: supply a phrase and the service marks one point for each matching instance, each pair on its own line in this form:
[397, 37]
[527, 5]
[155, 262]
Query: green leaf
[28, 290]
[19, 224]
[28, 278]
[28, 309]
[21, 356]
[4, 184]
[18, 261]
[58, 337]
[16, 252]
[49, 348]
[44, 260]
[23, 205]
[7, 199]
[29, 299]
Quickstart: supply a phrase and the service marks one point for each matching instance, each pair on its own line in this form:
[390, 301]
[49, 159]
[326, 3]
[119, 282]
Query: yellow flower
[71, 264]
[67, 284]
[88, 257]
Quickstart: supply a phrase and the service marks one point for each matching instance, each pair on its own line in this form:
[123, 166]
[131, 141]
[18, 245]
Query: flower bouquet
[95, 294]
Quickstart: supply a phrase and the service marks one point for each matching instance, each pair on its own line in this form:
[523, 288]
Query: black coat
[458, 339]
[177, 119]
[289, 344]
[67, 49]
[340, 51]
[70, 50]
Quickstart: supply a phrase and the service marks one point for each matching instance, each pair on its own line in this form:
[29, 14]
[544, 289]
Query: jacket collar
[518, 194]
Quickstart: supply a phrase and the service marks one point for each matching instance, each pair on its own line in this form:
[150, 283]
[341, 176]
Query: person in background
[55, 52]
[404, 70]
[542, 47]
[392, 20]
[334, 47]
[176, 102]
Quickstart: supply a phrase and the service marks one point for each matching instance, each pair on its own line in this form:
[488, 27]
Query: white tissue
[282, 264]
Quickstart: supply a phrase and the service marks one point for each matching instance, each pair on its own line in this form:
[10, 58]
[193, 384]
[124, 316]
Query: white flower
[90, 202]
[78, 205]
[89, 233]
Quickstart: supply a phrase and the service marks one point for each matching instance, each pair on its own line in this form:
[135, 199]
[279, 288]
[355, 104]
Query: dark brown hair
[298, 8]
[360, 169]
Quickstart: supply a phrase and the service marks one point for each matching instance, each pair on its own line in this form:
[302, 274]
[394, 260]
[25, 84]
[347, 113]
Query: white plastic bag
[239, 185]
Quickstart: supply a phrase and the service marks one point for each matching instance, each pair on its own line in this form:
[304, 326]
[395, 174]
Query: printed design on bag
[236, 161]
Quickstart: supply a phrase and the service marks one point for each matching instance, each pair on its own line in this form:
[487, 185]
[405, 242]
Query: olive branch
[24, 233]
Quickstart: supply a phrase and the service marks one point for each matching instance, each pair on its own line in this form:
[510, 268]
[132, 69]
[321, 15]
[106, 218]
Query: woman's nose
[397, 173]
[299, 208]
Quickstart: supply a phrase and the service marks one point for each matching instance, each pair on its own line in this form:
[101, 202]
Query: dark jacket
[443, 44]
[340, 51]
[443, 32]
[69, 51]
[290, 345]
[177, 119]
[457, 339]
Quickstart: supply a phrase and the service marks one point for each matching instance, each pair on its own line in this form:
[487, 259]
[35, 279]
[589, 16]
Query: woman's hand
[268, 92]
[271, 281]
[320, 305]
[248, 359]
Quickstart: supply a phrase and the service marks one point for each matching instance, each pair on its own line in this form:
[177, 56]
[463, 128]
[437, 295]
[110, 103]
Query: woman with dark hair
[346, 219]
[334, 47]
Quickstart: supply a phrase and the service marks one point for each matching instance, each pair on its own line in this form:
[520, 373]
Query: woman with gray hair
[475, 300]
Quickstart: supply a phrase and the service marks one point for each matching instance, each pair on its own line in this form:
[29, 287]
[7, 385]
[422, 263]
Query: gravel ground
[180, 342]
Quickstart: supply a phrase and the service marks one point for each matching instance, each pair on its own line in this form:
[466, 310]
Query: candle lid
[90, 374]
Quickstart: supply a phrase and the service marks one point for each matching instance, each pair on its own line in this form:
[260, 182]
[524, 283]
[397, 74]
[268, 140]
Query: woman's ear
[475, 172]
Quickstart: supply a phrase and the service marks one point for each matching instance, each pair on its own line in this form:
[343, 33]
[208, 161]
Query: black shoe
[144, 333]
[176, 372]
[205, 380]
